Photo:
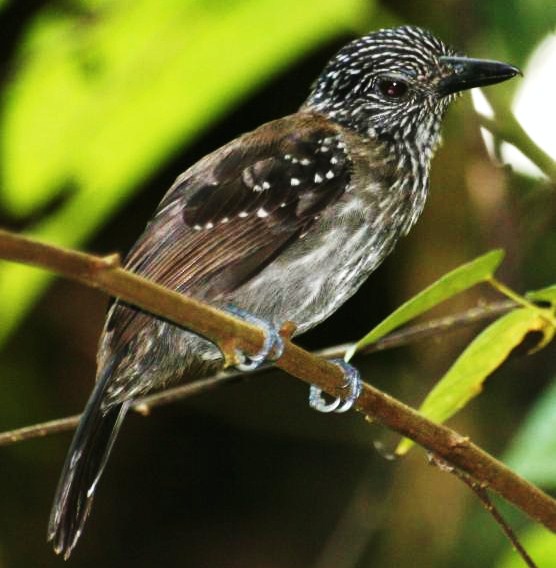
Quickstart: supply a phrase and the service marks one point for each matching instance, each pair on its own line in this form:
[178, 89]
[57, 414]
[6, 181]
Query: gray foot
[352, 386]
[273, 345]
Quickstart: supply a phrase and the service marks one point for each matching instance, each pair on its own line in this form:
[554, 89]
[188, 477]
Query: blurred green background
[102, 104]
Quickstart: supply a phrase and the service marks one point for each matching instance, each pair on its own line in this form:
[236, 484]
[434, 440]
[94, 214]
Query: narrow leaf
[483, 355]
[544, 295]
[449, 285]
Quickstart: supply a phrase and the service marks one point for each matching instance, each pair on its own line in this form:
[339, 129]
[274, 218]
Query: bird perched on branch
[283, 223]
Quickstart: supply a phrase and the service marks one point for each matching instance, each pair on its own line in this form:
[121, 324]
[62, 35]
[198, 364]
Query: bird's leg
[273, 345]
[352, 385]
[272, 350]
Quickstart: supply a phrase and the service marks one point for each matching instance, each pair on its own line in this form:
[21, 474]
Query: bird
[283, 223]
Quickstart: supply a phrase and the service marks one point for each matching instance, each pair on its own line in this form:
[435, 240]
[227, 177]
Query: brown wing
[232, 213]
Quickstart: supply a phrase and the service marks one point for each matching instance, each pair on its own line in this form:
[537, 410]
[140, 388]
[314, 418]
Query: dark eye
[392, 88]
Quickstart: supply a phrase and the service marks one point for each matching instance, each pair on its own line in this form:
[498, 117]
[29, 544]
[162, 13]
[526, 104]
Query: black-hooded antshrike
[283, 223]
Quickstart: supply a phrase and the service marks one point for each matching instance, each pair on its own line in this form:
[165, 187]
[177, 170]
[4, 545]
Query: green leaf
[456, 281]
[539, 543]
[483, 355]
[532, 452]
[101, 96]
[547, 294]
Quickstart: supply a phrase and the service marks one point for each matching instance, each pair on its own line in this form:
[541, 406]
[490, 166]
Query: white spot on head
[294, 181]
[257, 188]
[318, 178]
[329, 174]
[333, 160]
[266, 185]
[305, 162]
[283, 204]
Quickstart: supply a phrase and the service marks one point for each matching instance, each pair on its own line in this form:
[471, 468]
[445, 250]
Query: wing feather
[232, 213]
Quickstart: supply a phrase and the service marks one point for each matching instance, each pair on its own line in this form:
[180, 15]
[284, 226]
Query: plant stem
[507, 127]
[229, 333]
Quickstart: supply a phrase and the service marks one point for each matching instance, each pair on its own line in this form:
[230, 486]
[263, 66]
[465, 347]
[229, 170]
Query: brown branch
[229, 332]
[482, 494]
[39, 430]
[396, 339]
[484, 498]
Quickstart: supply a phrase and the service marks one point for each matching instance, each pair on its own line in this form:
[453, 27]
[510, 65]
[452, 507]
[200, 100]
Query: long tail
[84, 465]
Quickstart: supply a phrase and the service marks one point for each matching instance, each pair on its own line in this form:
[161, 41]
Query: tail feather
[85, 462]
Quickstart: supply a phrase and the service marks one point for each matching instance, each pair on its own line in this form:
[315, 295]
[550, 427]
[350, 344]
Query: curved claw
[273, 345]
[352, 384]
[317, 402]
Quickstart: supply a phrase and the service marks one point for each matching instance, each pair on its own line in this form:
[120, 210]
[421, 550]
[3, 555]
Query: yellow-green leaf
[449, 285]
[547, 294]
[483, 355]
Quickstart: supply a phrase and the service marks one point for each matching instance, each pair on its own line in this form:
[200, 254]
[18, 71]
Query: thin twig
[39, 430]
[438, 326]
[521, 300]
[483, 496]
[507, 127]
[230, 333]
[396, 339]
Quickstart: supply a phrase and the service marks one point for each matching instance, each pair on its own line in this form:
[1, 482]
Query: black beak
[468, 73]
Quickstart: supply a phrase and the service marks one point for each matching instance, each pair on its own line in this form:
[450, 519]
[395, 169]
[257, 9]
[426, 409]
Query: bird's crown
[384, 82]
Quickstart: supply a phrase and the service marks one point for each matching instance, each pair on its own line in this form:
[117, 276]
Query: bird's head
[396, 83]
